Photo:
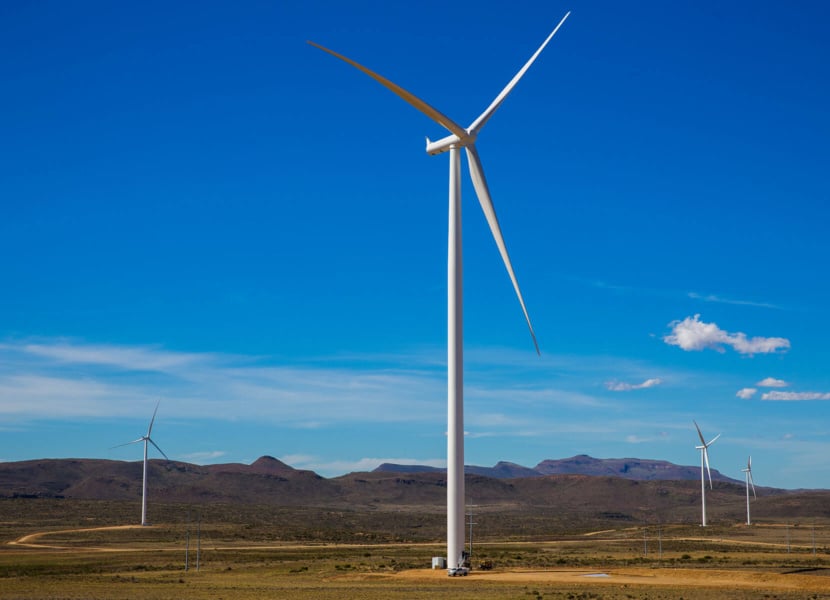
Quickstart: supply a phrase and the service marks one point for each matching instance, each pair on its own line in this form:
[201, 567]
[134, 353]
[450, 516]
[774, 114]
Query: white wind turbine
[145, 439]
[704, 459]
[459, 138]
[749, 482]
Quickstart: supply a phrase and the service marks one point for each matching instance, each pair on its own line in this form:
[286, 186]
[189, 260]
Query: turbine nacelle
[749, 481]
[704, 455]
[444, 144]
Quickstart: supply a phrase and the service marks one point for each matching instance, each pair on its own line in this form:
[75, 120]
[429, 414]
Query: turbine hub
[444, 144]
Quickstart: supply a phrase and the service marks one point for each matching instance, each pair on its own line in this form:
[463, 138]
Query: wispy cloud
[746, 393]
[795, 396]
[135, 358]
[70, 379]
[480, 419]
[693, 334]
[638, 439]
[675, 293]
[338, 467]
[36, 394]
[620, 386]
[772, 382]
[721, 300]
[546, 397]
[203, 457]
[604, 285]
[75, 380]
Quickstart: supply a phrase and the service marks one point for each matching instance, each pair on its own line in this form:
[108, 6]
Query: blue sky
[200, 209]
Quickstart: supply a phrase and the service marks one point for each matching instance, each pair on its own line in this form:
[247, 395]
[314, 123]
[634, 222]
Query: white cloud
[693, 334]
[795, 396]
[746, 393]
[772, 382]
[620, 386]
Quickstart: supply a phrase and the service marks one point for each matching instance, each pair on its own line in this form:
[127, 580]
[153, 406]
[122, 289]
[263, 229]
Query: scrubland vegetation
[272, 552]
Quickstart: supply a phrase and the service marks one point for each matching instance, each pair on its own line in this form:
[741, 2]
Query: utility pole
[198, 541]
[813, 534]
[471, 506]
[660, 543]
[187, 544]
[645, 543]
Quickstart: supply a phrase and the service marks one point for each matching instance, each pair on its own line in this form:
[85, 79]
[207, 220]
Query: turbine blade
[700, 435]
[483, 193]
[157, 448]
[425, 108]
[128, 443]
[150, 429]
[752, 483]
[485, 116]
[708, 470]
[749, 463]
[714, 439]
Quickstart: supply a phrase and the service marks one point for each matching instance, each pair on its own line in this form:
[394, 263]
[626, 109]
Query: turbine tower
[749, 482]
[145, 439]
[704, 459]
[460, 138]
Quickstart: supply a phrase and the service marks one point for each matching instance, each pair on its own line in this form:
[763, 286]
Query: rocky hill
[582, 464]
[93, 479]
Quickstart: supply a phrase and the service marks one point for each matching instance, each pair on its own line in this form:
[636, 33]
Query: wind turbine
[145, 439]
[704, 459]
[459, 137]
[749, 482]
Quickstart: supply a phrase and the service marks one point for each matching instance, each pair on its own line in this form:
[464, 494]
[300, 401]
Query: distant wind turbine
[749, 482]
[459, 138]
[145, 439]
[704, 459]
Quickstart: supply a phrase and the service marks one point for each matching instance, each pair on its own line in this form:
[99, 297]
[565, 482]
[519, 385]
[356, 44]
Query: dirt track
[29, 541]
[664, 577]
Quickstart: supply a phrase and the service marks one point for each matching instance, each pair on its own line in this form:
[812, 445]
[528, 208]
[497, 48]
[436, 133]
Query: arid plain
[64, 548]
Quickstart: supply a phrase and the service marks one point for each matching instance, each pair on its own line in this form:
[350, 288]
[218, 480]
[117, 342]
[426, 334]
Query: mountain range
[582, 464]
[260, 481]
[580, 489]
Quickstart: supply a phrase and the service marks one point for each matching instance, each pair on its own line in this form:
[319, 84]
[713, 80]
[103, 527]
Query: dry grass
[261, 559]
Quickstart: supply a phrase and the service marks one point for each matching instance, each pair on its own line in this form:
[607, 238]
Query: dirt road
[662, 577]
[30, 540]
